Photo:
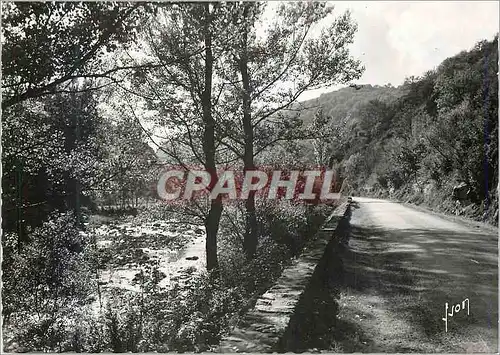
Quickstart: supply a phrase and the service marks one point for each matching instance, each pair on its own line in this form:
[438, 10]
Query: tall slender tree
[272, 70]
[186, 40]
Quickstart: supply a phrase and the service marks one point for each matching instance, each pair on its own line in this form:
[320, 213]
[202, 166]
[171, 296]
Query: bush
[189, 317]
[285, 227]
[45, 282]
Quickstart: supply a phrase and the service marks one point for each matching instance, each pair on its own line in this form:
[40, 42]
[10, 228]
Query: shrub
[284, 229]
[44, 282]
[187, 317]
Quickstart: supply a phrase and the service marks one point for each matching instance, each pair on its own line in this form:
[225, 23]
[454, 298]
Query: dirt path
[400, 269]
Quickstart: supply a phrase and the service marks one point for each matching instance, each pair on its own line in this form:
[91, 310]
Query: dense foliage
[46, 45]
[82, 111]
[420, 140]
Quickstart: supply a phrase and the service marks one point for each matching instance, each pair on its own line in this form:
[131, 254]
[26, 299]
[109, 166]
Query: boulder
[461, 191]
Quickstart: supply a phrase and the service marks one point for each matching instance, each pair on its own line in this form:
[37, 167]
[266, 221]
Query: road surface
[401, 267]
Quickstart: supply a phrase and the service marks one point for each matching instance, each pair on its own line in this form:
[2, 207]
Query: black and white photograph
[249, 177]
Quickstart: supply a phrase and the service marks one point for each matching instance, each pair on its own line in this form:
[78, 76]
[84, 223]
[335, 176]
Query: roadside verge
[268, 326]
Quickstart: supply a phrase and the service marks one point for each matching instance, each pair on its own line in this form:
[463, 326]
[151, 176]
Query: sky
[398, 39]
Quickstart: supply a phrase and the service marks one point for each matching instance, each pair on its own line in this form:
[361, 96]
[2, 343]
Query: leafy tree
[48, 166]
[48, 44]
[185, 93]
[322, 130]
[269, 74]
[46, 282]
[467, 100]
[375, 119]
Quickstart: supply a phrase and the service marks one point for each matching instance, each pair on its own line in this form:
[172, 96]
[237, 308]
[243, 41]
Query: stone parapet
[261, 329]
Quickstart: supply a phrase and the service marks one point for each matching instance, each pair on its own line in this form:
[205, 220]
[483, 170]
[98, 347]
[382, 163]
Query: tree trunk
[212, 228]
[250, 236]
[214, 215]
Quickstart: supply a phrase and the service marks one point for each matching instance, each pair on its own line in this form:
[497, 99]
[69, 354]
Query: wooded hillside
[418, 141]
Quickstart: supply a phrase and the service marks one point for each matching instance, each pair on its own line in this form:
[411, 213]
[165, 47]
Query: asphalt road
[401, 267]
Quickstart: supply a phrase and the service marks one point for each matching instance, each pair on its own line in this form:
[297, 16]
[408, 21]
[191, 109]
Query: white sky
[398, 39]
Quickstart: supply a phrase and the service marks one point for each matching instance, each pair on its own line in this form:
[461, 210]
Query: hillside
[345, 102]
[420, 140]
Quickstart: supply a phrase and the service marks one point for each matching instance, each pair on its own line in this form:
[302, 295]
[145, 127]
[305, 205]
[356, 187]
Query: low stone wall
[264, 328]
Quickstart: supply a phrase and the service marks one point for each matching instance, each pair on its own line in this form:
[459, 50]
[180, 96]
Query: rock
[156, 225]
[461, 191]
[199, 231]
[192, 258]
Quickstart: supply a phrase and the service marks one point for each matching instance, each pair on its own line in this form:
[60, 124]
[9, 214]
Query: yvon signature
[454, 310]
